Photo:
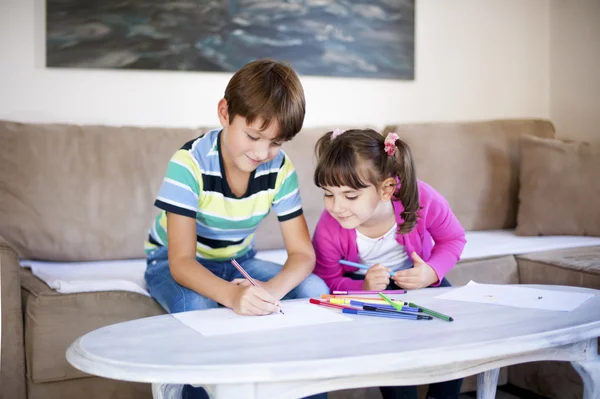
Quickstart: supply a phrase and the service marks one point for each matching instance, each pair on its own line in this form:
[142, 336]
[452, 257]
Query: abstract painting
[346, 38]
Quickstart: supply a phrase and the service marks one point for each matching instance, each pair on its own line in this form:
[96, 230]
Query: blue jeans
[438, 390]
[176, 298]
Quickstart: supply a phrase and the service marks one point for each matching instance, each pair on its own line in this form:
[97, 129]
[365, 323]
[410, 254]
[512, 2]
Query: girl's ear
[223, 112]
[387, 188]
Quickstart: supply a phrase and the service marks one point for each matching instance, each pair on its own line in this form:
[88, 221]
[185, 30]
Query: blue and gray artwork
[351, 38]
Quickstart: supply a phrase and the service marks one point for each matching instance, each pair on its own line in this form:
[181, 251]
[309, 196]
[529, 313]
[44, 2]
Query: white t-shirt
[384, 250]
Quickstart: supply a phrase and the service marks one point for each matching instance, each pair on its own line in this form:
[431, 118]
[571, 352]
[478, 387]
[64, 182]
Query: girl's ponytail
[409, 191]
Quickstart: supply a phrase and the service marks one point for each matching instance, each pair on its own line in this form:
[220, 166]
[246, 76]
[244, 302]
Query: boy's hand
[263, 284]
[254, 301]
[419, 276]
[377, 278]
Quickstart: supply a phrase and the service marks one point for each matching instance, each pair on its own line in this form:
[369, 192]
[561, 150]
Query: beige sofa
[77, 193]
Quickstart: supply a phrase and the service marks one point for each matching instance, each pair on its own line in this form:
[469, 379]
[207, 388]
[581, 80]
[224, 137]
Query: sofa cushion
[493, 270]
[12, 356]
[89, 388]
[575, 266]
[555, 380]
[559, 188]
[53, 321]
[475, 165]
[80, 193]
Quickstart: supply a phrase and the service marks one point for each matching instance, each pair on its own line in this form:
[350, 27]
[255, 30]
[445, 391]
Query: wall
[474, 60]
[575, 68]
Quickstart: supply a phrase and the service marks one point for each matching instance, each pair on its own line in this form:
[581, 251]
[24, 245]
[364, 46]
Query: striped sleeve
[287, 203]
[181, 186]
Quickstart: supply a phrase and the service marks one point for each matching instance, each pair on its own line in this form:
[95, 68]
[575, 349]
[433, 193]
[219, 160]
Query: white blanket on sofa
[128, 275]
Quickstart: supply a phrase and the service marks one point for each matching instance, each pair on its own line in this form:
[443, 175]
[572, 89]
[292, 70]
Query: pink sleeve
[328, 249]
[448, 234]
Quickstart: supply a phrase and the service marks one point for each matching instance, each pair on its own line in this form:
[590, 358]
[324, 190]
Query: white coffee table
[369, 351]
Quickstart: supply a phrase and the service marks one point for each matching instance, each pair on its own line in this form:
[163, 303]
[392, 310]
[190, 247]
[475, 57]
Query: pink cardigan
[436, 222]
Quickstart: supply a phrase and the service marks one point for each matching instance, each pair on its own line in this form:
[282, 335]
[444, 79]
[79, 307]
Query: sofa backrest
[76, 193]
[475, 165]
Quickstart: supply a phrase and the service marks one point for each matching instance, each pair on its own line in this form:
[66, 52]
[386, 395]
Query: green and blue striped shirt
[195, 186]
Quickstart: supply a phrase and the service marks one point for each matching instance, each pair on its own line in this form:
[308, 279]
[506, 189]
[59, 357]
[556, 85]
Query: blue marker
[386, 314]
[387, 307]
[359, 265]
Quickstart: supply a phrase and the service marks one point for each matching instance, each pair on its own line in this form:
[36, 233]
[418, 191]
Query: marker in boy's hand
[253, 301]
[377, 278]
[419, 276]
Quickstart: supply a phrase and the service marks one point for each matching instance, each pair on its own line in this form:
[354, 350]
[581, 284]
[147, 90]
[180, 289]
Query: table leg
[590, 374]
[167, 391]
[486, 384]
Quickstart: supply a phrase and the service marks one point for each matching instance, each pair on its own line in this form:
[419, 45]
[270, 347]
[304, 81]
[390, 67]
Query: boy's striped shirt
[225, 224]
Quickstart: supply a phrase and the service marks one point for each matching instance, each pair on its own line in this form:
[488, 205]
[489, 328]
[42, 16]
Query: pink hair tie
[390, 143]
[336, 133]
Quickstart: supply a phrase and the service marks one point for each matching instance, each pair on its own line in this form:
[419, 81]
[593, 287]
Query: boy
[218, 188]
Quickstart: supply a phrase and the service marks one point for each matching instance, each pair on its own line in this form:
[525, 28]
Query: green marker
[397, 306]
[431, 312]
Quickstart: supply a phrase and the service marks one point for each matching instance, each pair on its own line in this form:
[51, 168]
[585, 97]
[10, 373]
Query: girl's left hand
[419, 276]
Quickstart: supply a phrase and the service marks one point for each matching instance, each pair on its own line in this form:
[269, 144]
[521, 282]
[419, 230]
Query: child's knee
[313, 286]
[191, 300]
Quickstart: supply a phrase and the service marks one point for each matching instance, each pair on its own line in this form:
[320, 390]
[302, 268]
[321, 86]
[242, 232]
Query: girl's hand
[377, 278]
[419, 276]
[253, 301]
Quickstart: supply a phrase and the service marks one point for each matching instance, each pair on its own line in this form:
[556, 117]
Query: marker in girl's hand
[359, 265]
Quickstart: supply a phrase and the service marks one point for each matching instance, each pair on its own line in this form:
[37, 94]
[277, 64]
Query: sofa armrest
[12, 351]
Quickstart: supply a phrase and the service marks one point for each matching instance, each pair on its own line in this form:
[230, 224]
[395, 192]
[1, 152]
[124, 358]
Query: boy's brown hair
[269, 90]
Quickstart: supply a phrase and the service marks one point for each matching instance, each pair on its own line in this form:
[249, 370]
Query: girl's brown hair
[357, 159]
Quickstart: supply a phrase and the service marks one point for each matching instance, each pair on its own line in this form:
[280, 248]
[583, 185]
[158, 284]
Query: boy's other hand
[377, 278]
[421, 275]
[254, 301]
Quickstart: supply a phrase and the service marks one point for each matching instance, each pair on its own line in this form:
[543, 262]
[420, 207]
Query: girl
[378, 213]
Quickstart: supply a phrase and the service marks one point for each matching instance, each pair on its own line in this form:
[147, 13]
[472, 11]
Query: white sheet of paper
[517, 296]
[225, 321]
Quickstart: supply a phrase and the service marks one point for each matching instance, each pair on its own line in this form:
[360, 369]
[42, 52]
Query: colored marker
[384, 314]
[386, 307]
[341, 301]
[359, 265]
[345, 301]
[394, 304]
[329, 305]
[432, 312]
[366, 298]
[377, 309]
[360, 292]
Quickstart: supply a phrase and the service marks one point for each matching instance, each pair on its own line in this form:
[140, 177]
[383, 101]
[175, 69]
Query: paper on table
[517, 296]
[214, 322]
